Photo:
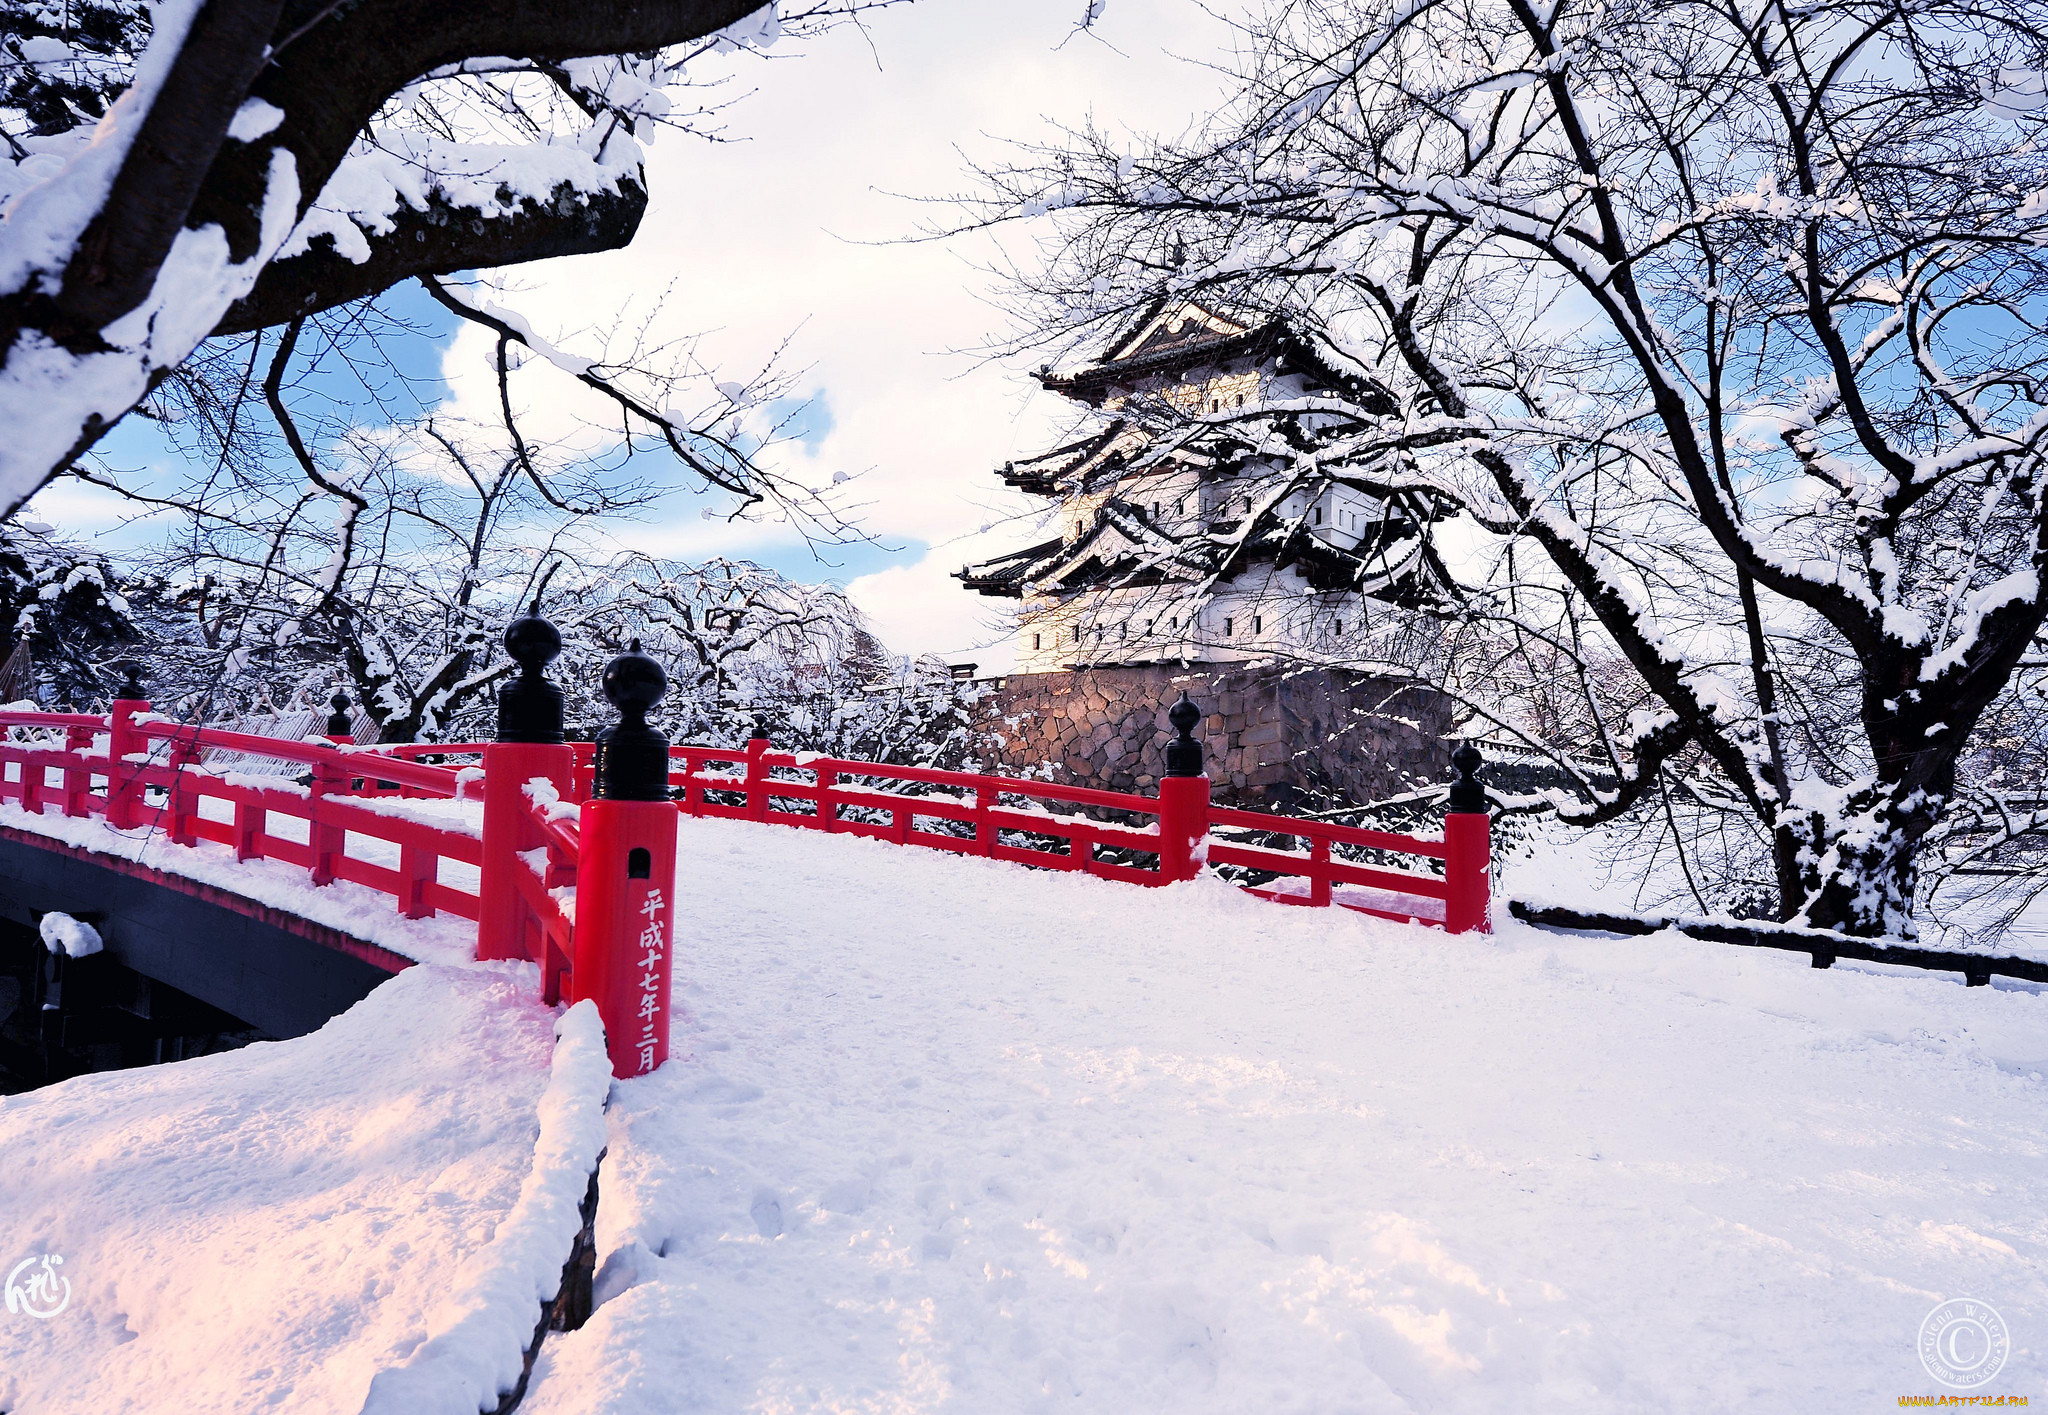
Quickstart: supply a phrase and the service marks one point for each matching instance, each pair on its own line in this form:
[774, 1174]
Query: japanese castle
[1180, 540]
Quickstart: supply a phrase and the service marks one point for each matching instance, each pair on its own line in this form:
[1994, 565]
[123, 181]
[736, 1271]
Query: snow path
[267, 1228]
[945, 1134]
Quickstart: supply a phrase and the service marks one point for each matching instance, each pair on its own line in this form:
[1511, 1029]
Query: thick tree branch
[438, 241]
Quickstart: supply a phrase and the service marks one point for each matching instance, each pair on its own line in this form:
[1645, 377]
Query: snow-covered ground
[1605, 871]
[944, 1134]
[268, 1228]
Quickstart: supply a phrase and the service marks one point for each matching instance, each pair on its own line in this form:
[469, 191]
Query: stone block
[1264, 734]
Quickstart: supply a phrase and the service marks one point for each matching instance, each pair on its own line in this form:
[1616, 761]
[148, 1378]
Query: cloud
[919, 608]
[791, 232]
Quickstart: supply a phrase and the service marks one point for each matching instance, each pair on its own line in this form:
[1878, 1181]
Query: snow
[758, 29]
[63, 934]
[51, 394]
[268, 1228]
[255, 119]
[464, 1367]
[944, 1133]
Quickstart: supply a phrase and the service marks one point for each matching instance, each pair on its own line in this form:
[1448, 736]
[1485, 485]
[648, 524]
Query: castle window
[1258, 624]
[1340, 628]
[1038, 641]
[1319, 515]
[1229, 625]
[1077, 633]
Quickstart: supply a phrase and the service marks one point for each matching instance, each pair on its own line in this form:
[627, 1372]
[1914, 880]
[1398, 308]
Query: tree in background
[62, 607]
[414, 634]
[1722, 327]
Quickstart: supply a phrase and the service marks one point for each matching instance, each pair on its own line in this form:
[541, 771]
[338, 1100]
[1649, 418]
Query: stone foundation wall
[1272, 737]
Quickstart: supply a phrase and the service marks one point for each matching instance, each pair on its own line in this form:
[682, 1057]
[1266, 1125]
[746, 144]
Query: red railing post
[329, 842]
[625, 876]
[1468, 850]
[250, 818]
[124, 739]
[508, 831]
[586, 770]
[77, 779]
[418, 867]
[757, 774]
[828, 804]
[181, 803]
[1183, 798]
[31, 778]
[529, 745]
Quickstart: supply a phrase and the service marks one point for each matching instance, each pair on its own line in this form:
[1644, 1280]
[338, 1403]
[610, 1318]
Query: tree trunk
[1857, 871]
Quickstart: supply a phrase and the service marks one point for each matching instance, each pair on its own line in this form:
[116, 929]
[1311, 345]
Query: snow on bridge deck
[943, 1134]
[269, 1228]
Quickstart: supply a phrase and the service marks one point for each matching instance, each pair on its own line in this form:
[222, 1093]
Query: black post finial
[1184, 753]
[632, 757]
[339, 723]
[530, 707]
[131, 682]
[762, 728]
[1468, 797]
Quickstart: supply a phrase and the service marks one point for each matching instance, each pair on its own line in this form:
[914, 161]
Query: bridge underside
[222, 965]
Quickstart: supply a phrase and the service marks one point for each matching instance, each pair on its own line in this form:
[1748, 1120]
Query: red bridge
[567, 857]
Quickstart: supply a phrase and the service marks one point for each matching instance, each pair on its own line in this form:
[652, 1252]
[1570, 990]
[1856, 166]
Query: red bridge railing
[578, 878]
[1009, 818]
[137, 771]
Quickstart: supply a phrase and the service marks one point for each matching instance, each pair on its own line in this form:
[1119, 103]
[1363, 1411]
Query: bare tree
[1722, 326]
[212, 167]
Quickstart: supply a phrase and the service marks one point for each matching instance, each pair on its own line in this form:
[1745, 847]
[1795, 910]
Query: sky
[794, 228]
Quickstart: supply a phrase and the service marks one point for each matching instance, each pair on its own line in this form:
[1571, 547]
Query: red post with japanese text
[625, 926]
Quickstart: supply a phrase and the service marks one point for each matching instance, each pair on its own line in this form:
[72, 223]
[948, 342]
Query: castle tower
[1184, 536]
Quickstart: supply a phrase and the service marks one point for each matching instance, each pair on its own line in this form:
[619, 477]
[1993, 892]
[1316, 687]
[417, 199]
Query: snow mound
[63, 934]
[268, 1228]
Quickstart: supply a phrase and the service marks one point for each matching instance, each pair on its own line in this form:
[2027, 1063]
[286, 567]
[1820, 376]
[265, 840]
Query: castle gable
[1176, 326]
